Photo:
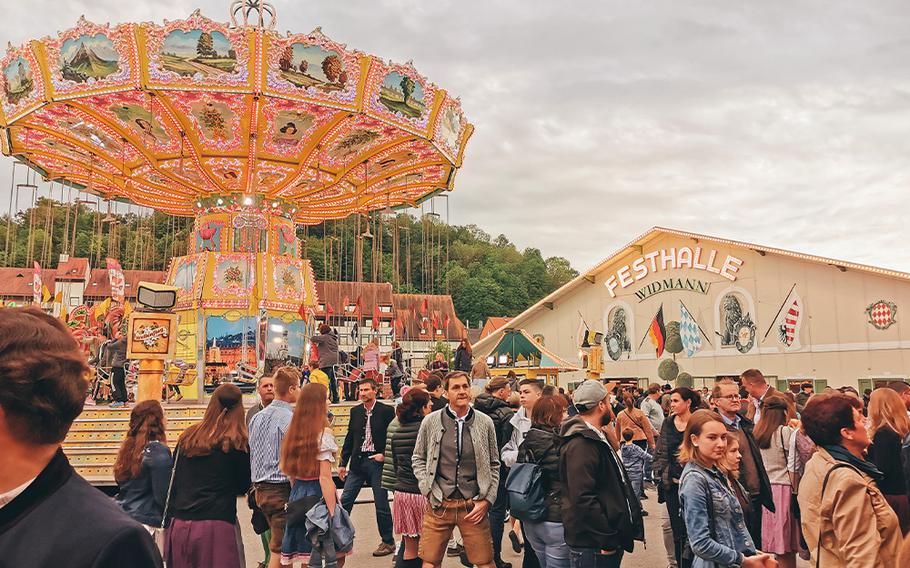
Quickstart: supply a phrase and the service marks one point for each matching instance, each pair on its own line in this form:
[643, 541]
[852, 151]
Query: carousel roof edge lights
[164, 115]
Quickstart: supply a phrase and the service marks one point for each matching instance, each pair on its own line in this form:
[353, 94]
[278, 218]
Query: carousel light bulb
[247, 200]
[198, 204]
[274, 204]
[220, 201]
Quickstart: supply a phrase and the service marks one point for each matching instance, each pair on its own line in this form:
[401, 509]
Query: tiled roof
[99, 286]
[17, 282]
[371, 294]
[408, 308]
[492, 324]
[74, 268]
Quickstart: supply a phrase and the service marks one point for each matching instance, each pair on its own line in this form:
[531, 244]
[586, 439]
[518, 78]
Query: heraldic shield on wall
[882, 314]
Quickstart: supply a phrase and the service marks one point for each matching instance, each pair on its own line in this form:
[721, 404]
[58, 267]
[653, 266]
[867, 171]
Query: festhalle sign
[673, 259]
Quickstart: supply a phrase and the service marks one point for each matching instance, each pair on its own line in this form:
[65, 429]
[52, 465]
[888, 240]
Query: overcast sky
[780, 123]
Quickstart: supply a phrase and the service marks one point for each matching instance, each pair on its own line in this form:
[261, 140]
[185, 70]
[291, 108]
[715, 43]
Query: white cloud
[782, 123]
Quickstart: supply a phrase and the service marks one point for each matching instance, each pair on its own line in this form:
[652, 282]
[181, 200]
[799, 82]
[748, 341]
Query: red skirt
[407, 513]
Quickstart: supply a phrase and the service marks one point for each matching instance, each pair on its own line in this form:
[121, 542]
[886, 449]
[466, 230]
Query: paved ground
[368, 538]
[649, 555]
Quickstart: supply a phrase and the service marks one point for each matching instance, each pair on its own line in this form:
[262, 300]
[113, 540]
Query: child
[636, 461]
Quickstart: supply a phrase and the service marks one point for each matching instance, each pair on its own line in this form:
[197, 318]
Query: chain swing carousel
[249, 132]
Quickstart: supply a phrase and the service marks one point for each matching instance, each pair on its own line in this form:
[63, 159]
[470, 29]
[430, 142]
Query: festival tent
[516, 350]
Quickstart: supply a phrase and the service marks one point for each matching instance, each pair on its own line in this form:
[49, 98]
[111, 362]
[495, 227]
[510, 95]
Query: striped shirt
[267, 430]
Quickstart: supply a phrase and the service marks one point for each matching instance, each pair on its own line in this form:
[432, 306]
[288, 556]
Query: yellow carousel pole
[151, 372]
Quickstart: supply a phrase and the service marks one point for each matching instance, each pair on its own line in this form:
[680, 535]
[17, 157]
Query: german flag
[657, 332]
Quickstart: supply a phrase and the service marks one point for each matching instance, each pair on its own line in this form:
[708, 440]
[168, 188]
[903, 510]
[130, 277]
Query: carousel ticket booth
[243, 293]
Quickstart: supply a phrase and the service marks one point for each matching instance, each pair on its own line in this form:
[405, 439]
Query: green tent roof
[522, 351]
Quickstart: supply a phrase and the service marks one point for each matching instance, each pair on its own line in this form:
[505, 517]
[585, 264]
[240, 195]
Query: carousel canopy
[181, 115]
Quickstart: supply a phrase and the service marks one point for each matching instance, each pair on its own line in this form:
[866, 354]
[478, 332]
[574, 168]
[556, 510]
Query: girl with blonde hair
[888, 426]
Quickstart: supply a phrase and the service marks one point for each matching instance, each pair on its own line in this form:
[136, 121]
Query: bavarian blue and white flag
[689, 331]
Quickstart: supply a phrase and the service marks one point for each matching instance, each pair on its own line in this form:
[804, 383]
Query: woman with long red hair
[211, 469]
[143, 467]
[307, 454]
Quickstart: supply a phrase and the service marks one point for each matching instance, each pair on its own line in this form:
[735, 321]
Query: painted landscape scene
[197, 51]
[403, 95]
[17, 80]
[310, 66]
[88, 58]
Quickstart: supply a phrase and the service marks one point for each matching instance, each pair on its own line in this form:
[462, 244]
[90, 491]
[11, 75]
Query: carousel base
[95, 437]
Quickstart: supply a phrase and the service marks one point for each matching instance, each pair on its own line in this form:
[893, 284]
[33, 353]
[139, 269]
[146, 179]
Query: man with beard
[601, 515]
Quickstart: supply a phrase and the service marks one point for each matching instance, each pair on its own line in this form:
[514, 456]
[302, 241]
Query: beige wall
[835, 342]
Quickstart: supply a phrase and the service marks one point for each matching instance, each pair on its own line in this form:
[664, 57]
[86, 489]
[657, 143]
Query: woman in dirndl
[409, 504]
[307, 454]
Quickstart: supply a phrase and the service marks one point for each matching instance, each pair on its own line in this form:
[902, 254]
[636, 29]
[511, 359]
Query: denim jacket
[733, 542]
[329, 536]
[143, 497]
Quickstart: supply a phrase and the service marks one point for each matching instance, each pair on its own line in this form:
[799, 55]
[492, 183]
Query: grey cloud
[782, 123]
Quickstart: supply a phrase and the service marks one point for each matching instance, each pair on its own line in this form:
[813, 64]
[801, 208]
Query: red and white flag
[116, 279]
[790, 323]
[36, 284]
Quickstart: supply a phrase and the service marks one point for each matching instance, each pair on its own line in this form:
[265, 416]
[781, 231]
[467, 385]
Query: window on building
[385, 309]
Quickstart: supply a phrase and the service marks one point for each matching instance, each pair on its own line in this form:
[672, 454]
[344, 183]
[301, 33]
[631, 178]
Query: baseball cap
[588, 394]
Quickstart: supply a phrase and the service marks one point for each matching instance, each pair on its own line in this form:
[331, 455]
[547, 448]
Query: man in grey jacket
[456, 464]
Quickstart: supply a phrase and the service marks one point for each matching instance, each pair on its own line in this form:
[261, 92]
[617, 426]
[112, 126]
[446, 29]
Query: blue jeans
[370, 472]
[498, 517]
[333, 384]
[549, 543]
[591, 558]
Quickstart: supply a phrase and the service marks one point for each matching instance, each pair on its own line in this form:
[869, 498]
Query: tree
[304, 64]
[673, 343]
[332, 68]
[668, 370]
[205, 47]
[407, 87]
[559, 271]
[285, 61]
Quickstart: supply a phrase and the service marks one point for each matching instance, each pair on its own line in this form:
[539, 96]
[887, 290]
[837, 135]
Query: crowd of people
[746, 476]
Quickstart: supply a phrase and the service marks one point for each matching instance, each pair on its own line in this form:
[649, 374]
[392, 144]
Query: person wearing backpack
[540, 448]
[601, 515]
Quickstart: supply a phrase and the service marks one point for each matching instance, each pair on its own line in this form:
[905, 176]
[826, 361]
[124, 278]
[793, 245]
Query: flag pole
[696, 323]
[773, 321]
